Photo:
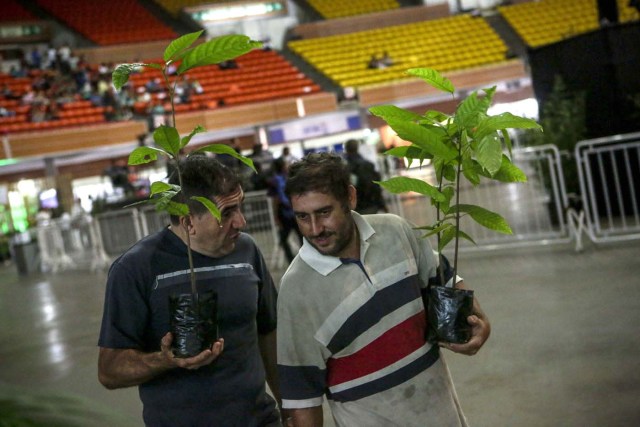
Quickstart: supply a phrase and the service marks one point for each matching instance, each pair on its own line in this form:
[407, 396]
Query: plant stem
[457, 212]
[440, 260]
[192, 273]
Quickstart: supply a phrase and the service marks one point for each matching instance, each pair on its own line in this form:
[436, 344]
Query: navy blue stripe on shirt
[301, 382]
[388, 381]
[384, 301]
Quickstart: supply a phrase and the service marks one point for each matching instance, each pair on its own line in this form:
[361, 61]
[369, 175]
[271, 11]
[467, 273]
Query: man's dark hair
[323, 172]
[202, 176]
[351, 146]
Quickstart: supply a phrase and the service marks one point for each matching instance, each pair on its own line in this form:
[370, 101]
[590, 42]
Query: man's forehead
[229, 199]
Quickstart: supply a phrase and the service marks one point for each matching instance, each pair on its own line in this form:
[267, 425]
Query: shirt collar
[325, 264]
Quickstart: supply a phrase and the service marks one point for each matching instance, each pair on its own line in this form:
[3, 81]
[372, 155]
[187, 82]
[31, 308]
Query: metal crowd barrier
[609, 174]
[535, 210]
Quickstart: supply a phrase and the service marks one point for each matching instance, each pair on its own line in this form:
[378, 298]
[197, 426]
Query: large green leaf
[180, 45]
[163, 203]
[225, 149]
[161, 187]
[484, 217]
[120, 75]
[209, 205]
[489, 153]
[469, 112]
[508, 172]
[217, 50]
[402, 184]
[393, 112]
[433, 77]
[505, 121]
[168, 138]
[426, 138]
[144, 155]
[185, 140]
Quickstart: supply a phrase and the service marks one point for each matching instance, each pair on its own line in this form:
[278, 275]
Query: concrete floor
[563, 352]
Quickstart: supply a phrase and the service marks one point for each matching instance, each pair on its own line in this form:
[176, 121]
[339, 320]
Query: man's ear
[187, 224]
[353, 197]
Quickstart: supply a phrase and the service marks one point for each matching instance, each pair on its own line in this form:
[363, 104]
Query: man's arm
[118, 368]
[305, 417]
[480, 329]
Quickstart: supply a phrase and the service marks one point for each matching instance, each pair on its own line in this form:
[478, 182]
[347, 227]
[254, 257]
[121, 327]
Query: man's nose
[239, 221]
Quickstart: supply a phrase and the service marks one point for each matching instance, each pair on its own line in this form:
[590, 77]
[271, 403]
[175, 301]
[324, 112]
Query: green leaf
[468, 170]
[435, 230]
[469, 112]
[446, 237]
[120, 75]
[485, 218]
[217, 50]
[507, 140]
[180, 44]
[466, 236]
[401, 184]
[168, 139]
[508, 172]
[505, 121]
[225, 149]
[426, 138]
[173, 208]
[209, 205]
[393, 112]
[433, 77]
[185, 140]
[144, 155]
[161, 187]
[489, 153]
[436, 116]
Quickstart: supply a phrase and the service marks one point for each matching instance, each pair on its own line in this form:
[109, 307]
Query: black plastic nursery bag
[194, 328]
[447, 312]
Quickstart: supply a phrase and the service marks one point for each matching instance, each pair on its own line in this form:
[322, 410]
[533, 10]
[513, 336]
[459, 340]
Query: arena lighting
[226, 12]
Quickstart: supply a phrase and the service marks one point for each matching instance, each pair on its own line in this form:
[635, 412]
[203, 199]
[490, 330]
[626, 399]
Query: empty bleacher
[109, 23]
[446, 44]
[330, 9]
[543, 22]
[14, 11]
[261, 75]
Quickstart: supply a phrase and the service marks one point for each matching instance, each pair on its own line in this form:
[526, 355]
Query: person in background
[363, 174]
[224, 385]
[352, 318]
[284, 213]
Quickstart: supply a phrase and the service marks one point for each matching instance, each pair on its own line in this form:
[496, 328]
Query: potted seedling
[469, 145]
[193, 316]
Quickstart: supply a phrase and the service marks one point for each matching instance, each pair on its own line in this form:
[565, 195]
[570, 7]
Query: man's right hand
[206, 357]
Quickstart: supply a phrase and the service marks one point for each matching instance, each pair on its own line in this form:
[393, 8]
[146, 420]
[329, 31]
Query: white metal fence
[609, 173]
[538, 211]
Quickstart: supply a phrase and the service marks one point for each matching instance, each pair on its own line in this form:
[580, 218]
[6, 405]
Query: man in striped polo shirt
[351, 317]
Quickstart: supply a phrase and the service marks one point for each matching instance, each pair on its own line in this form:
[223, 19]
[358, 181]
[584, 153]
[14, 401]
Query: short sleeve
[125, 314]
[301, 358]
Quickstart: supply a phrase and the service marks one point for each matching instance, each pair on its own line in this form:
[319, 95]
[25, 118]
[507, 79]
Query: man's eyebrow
[322, 208]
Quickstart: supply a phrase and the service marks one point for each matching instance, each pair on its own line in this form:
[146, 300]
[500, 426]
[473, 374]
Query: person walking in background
[352, 319]
[284, 213]
[223, 385]
[363, 175]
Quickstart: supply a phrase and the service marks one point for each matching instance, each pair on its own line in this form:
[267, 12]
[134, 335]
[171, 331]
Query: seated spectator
[228, 65]
[374, 62]
[386, 59]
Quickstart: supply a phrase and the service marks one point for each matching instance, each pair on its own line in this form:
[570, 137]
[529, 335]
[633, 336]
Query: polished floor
[565, 348]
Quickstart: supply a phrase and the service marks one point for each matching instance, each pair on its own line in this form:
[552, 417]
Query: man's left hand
[480, 330]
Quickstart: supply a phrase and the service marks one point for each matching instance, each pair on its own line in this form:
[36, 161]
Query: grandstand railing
[609, 175]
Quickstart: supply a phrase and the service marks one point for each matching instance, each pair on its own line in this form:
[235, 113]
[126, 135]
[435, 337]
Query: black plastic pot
[447, 312]
[194, 326]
